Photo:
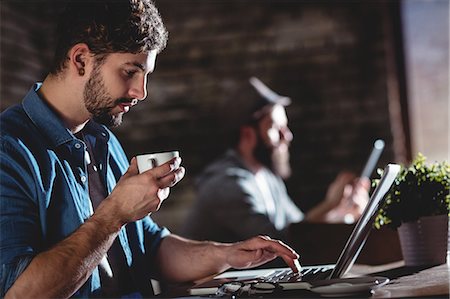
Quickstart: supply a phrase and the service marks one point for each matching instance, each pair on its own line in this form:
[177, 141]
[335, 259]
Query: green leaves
[419, 190]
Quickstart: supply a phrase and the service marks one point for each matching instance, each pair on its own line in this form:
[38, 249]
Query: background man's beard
[280, 158]
[277, 160]
[95, 97]
[263, 153]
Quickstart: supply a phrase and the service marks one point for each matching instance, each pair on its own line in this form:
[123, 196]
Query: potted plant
[418, 205]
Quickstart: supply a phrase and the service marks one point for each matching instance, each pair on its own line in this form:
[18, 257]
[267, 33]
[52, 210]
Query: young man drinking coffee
[74, 212]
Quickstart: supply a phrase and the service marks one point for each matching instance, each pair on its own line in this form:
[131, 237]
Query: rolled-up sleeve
[19, 217]
[10, 272]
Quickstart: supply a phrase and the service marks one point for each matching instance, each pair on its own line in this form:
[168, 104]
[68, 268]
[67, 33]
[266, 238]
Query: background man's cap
[253, 101]
[267, 94]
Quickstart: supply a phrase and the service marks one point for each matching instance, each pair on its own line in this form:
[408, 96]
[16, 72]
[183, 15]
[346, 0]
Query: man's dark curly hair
[109, 26]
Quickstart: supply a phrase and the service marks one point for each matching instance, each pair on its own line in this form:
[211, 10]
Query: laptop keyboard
[306, 274]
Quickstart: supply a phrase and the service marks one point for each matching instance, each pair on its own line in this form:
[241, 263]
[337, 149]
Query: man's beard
[99, 103]
[276, 159]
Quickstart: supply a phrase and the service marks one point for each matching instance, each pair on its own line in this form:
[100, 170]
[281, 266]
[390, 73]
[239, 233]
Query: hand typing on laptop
[260, 250]
[182, 260]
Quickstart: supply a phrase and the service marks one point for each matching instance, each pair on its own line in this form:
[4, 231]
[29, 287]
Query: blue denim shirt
[44, 193]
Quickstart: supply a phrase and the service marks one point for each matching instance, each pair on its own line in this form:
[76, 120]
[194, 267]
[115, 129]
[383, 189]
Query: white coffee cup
[148, 161]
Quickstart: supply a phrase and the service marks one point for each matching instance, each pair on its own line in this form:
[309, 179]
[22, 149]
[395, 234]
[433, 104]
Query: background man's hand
[345, 200]
[353, 198]
[338, 188]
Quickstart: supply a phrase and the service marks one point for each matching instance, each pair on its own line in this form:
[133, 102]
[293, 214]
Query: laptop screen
[365, 223]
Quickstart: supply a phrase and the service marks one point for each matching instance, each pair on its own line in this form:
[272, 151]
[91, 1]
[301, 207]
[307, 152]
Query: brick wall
[330, 57]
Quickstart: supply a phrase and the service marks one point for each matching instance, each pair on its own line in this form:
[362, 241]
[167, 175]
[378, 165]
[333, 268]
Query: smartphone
[377, 149]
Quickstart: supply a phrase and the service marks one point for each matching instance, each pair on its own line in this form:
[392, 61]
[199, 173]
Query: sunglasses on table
[236, 289]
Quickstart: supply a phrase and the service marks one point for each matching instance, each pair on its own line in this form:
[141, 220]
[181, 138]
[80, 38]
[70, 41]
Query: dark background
[341, 62]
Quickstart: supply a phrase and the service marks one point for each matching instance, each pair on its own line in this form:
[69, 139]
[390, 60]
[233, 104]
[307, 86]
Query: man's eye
[130, 73]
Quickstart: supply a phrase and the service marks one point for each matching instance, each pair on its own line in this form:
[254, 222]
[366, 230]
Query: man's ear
[80, 58]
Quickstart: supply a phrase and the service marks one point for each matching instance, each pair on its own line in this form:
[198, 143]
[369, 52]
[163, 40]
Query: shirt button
[77, 145]
[83, 179]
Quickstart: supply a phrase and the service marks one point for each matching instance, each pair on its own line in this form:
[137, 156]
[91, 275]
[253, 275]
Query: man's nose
[286, 134]
[139, 89]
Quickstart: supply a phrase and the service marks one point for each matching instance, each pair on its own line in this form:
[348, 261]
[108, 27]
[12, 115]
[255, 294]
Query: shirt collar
[234, 155]
[49, 122]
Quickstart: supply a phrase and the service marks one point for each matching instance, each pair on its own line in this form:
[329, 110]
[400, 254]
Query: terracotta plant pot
[425, 241]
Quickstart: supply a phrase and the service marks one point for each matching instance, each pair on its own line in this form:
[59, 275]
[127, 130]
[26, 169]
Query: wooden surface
[405, 282]
[408, 282]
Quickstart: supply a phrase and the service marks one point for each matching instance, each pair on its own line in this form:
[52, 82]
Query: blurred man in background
[243, 194]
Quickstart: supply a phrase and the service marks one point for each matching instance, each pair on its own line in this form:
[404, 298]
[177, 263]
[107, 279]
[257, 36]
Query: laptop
[289, 280]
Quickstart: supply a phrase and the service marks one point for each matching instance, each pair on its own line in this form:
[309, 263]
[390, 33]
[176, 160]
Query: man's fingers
[282, 248]
[132, 169]
[364, 183]
[294, 264]
[345, 176]
[260, 250]
[179, 175]
[163, 193]
[274, 246]
[172, 178]
[166, 168]
[168, 174]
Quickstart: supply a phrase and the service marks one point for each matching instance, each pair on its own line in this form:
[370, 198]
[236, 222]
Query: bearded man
[243, 194]
[74, 213]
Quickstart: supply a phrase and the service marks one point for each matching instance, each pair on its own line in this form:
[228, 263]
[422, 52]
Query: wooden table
[408, 282]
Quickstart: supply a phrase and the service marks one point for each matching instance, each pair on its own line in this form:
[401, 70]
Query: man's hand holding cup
[149, 161]
[145, 185]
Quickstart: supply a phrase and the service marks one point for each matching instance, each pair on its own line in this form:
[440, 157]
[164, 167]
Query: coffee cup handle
[153, 162]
